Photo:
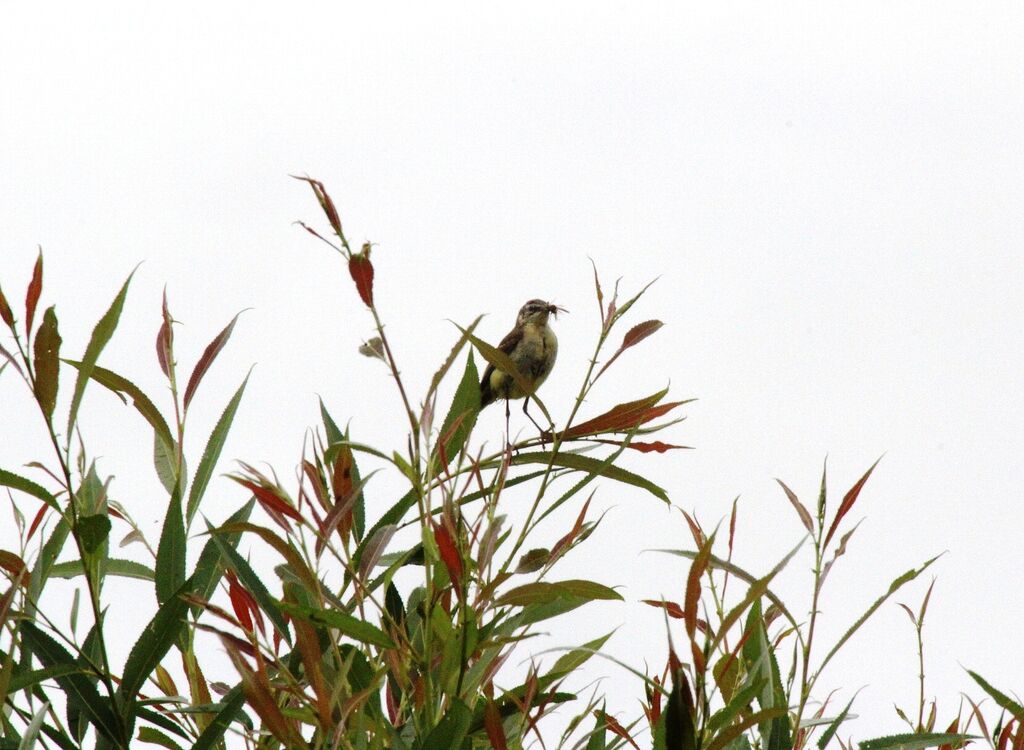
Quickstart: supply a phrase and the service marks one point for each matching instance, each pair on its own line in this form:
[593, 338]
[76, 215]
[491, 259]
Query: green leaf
[542, 591]
[93, 531]
[680, 732]
[465, 406]
[210, 568]
[895, 586]
[80, 691]
[542, 600]
[170, 554]
[252, 582]
[451, 730]
[151, 647]
[353, 627]
[214, 732]
[1001, 699]
[156, 737]
[740, 702]
[100, 336]
[913, 741]
[165, 462]
[14, 481]
[47, 362]
[832, 728]
[28, 740]
[119, 385]
[570, 661]
[762, 666]
[734, 737]
[597, 739]
[115, 566]
[23, 680]
[393, 515]
[592, 466]
[211, 454]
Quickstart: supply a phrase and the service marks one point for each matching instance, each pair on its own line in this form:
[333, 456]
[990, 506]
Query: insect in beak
[555, 309]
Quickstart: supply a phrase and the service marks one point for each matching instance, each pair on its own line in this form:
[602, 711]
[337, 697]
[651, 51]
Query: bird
[533, 347]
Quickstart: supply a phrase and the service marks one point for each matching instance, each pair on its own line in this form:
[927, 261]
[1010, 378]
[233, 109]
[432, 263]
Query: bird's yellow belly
[533, 357]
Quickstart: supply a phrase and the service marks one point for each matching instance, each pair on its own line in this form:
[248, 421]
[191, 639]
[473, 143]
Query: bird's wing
[507, 345]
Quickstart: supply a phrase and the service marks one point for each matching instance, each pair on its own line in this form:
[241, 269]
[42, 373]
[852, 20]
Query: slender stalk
[91, 583]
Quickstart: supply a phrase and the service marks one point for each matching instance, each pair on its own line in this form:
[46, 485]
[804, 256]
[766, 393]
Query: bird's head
[537, 311]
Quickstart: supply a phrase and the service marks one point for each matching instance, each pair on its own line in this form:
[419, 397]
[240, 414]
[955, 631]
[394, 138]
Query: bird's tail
[487, 395]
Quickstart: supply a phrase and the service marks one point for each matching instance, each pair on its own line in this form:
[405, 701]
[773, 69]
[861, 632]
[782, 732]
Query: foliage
[394, 631]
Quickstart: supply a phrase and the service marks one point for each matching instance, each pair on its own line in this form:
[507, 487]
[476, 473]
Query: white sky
[830, 194]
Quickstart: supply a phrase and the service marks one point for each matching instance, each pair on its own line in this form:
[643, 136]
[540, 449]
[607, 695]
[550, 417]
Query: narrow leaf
[35, 289]
[170, 554]
[79, 689]
[17, 482]
[210, 354]
[231, 707]
[805, 516]
[913, 741]
[47, 362]
[1001, 699]
[633, 336]
[591, 465]
[5, 311]
[140, 400]
[848, 501]
[211, 454]
[346, 624]
[101, 334]
[154, 643]
[252, 582]
[895, 586]
[114, 566]
[451, 730]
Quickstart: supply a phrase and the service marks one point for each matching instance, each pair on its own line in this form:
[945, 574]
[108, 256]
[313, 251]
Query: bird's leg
[508, 440]
[526, 403]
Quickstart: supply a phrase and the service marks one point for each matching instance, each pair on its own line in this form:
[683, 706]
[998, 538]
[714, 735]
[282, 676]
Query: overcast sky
[829, 194]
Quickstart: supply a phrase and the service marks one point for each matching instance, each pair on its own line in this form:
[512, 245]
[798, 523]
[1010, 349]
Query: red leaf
[674, 610]
[35, 288]
[238, 601]
[361, 271]
[639, 332]
[210, 354]
[695, 530]
[36, 521]
[165, 340]
[269, 500]
[624, 417]
[692, 600]
[656, 446]
[5, 310]
[563, 544]
[1004, 736]
[633, 336]
[492, 723]
[805, 516]
[615, 727]
[11, 563]
[848, 501]
[325, 203]
[449, 554]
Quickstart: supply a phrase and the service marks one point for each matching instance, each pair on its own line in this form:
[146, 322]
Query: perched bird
[532, 347]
